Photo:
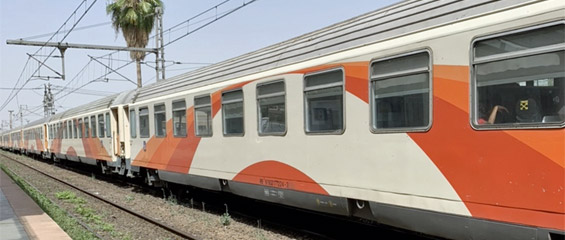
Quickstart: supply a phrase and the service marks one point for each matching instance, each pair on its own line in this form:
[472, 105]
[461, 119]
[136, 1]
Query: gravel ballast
[111, 223]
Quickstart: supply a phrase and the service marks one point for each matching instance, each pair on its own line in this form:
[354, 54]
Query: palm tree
[136, 19]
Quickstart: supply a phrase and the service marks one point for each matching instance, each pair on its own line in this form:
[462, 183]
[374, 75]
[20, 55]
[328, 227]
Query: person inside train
[489, 117]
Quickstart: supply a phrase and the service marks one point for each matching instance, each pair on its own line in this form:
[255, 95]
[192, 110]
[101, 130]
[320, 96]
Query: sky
[260, 24]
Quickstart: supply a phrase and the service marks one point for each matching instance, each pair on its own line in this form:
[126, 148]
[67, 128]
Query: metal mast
[48, 101]
[11, 112]
[159, 44]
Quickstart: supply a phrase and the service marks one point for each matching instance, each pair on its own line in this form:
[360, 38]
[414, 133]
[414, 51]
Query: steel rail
[125, 209]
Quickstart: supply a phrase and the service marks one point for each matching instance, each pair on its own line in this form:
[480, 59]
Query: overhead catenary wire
[15, 92]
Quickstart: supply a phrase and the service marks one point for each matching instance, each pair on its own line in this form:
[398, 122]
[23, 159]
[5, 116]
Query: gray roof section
[390, 22]
[100, 104]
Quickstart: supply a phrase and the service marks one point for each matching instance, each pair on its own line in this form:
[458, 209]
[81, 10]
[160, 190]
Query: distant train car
[442, 117]
[33, 138]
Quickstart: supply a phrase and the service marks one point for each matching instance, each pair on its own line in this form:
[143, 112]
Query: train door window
[203, 116]
[400, 93]
[232, 113]
[519, 78]
[271, 108]
[86, 128]
[132, 124]
[59, 131]
[108, 124]
[75, 132]
[179, 118]
[323, 102]
[93, 126]
[160, 119]
[101, 126]
[144, 122]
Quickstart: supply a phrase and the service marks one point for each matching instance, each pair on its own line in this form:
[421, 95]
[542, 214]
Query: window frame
[430, 72]
[242, 112]
[155, 119]
[173, 110]
[93, 127]
[70, 128]
[101, 129]
[86, 123]
[257, 98]
[320, 87]
[211, 132]
[133, 127]
[80, 128]
[148, 122]
[474, 100]
[108, 127]
[75, 134]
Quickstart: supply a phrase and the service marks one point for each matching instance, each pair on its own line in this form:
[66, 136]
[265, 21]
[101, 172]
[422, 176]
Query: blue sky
[258, 25]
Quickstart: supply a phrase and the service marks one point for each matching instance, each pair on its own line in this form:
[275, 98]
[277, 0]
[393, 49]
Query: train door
[115, 131]
[45, 138]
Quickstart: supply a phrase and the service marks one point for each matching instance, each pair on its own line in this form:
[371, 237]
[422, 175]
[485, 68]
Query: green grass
[66, 222]
[81, 208]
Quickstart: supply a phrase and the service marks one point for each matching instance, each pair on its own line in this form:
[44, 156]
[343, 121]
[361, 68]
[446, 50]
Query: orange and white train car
[82, 134]
[442, 117]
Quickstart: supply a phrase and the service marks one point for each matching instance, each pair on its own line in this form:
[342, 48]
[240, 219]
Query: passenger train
[442, 117]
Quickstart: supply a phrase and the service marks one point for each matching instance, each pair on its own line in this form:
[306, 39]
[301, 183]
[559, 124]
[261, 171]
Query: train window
[64, 125]
[86, 128]
[108, 124]
[232, 113]
[101, 126]
[93, 126]
[59, 131]
[400, 93]
[144, 122]
[519, 78]
[203, 116]
[179, 118]
[323, 102]
[80, 129]
[132, 124]
[160, 119]
[70, 128]
[271, 108]
[75, 132]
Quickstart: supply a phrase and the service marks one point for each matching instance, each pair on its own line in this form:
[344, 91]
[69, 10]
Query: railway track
[148, 219]
[290, 221]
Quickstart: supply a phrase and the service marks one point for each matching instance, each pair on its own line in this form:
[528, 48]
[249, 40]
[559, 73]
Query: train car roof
[100, 104]
[393, 21]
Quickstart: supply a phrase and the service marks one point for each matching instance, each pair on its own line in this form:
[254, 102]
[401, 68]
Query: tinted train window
[86, 128]
[160, 120]
[75, 132]
[70, 128]
[108, 124]
[93, 125]
[143, 122]
[132, 124]
[232, 112]
[400, 92]
[203, 116]
[271, 108]
[80, 130]
[323, 99]
[101, 126]
[519, 78]
[64, 125]
[179, 118]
